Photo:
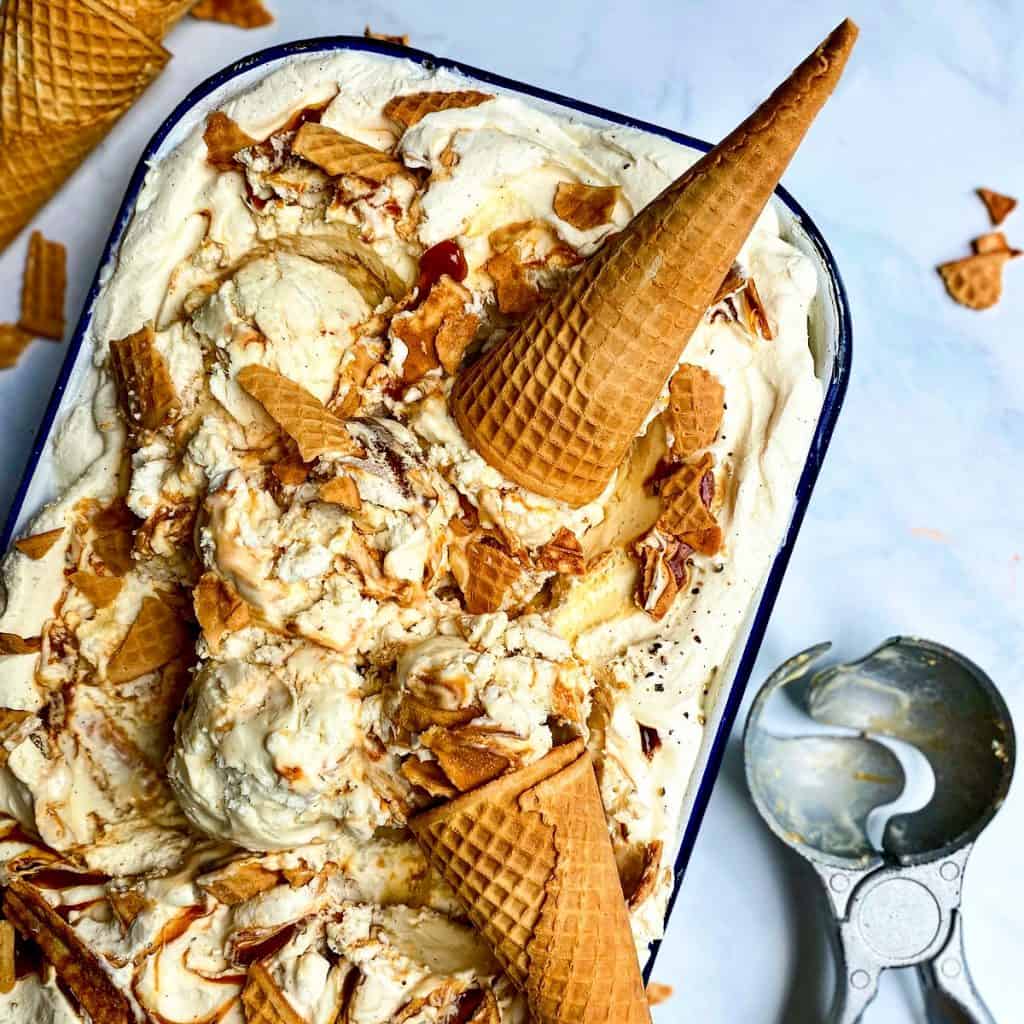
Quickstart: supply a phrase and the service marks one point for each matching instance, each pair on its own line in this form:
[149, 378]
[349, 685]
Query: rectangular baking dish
[830, 334]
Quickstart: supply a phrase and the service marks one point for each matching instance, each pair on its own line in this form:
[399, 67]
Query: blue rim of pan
[834, 394]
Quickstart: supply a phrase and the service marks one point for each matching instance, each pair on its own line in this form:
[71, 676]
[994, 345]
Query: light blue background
[917, 525]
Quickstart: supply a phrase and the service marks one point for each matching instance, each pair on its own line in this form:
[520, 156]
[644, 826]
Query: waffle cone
[70, 69]
[556, 406]
[529, 857]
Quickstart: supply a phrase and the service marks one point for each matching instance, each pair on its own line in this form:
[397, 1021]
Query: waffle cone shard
[695, 408]
[411, 108]
[156, 637]
[530, 859]
[556, 406]
[492, 573]
[264, 1002]
[300, 414]
[976, 281]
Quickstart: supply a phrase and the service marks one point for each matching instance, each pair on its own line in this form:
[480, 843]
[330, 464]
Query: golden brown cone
[70, 69]
[74, 963]
[556, 406]
[529, 857]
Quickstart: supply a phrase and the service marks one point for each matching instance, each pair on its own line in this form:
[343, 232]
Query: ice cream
[291, 605]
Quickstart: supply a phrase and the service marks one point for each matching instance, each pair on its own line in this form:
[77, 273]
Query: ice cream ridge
[436, 447]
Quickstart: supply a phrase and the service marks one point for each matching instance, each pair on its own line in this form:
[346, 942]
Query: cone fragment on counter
[529, 857]
[70, 69]
[556, 405]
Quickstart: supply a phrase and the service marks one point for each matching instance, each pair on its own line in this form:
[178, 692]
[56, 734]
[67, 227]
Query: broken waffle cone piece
[264, 1002]
[13, 341]
[556, 406]
[238, 881]
[994, 241]
[416, 715]
[663, 572]
[413, 107]
[429, 776]
[695, 407]
[300, 414]
[75, 964]
[385, 37]
[757, 315]
[976, 281]
[156, 637]
[528, 856]
[658, 993]
[338, 154]
[43, 287]
[343, 491]
[239, 13]
[491, 574]
[686, 515]
[731, 284]
[291, 471]
[11, 643]
[438, 331]
[466, 764]
[38, 544]
[585, 206]
[563, 553]
[224, 139]
[999, 206]
[148, 395]
[114, 549]
[514, 290]
[219, 609]
[100, 590]
[70, 69]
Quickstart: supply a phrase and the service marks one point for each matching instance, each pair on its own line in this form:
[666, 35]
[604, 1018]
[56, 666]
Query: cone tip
[840, 41]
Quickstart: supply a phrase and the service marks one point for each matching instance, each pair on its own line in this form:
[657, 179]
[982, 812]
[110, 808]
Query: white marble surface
[917, 525]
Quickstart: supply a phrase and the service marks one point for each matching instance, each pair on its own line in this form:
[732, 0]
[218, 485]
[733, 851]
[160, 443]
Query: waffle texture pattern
[70, 69]
[556, 406]
[530, 858]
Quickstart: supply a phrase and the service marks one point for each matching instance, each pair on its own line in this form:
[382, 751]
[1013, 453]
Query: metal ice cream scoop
[818, 782]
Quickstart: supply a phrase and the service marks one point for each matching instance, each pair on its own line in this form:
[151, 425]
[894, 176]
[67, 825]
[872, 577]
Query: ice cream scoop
[895, 903]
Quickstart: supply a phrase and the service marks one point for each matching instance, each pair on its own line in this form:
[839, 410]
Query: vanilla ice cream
[280, 619]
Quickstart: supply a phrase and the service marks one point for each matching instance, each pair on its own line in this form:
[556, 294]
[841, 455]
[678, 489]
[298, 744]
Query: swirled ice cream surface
[375, 617]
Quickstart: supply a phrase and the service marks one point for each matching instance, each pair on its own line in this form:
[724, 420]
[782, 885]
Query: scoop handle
[850, 1002]
[949, 993]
